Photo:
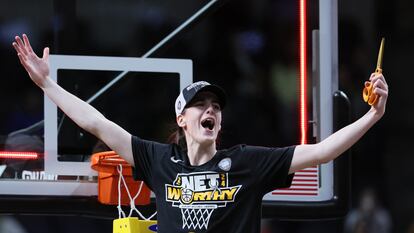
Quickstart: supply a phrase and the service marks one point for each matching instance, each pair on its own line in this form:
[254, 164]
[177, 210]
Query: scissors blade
[380, 53]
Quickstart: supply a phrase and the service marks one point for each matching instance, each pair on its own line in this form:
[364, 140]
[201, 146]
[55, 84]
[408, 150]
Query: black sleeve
[270, 166]
[145, 153]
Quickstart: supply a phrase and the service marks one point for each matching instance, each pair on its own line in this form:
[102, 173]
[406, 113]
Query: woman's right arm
[83, 114]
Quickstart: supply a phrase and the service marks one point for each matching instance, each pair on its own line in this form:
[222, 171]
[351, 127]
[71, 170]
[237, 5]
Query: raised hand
[37, 68]
[380, 88]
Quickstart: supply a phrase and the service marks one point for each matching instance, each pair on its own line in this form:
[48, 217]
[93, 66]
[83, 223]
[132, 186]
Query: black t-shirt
[223, 195]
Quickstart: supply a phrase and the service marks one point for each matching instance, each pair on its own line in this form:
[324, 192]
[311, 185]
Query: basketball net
[121, 213]
[130, 224]
[196, 216]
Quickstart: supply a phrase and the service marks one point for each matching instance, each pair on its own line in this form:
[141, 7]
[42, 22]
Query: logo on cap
[197, 85]
[179, 105]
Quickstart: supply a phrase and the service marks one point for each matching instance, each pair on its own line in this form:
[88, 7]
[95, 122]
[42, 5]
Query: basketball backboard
[62, 169]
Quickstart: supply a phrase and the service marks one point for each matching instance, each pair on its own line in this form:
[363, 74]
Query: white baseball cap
[188, 93]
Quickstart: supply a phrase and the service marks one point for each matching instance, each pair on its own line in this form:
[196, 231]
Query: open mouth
[208, 123]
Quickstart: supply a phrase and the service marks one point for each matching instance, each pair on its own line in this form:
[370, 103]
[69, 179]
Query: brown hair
[178, 137]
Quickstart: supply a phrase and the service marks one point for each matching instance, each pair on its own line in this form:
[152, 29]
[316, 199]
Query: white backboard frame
[183, 67]
[67, 62]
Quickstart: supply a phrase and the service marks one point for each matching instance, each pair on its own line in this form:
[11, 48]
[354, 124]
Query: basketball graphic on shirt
[198, 194]
[186, 196]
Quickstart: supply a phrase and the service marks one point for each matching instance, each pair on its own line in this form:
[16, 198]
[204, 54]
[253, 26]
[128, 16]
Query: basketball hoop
[107, 164]
[113, 172]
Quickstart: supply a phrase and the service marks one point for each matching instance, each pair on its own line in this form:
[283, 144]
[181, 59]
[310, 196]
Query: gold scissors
[367, 92]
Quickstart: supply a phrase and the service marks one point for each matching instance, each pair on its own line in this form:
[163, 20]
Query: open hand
[37, 68]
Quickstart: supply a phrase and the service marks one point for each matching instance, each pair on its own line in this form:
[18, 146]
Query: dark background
[250, 48]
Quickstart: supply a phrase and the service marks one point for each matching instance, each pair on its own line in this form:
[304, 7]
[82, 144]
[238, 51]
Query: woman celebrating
[199, 188]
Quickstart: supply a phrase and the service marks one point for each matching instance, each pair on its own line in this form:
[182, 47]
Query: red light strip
[18, 155]
[302, 73]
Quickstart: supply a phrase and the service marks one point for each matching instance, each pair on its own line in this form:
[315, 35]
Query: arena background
[249, 48]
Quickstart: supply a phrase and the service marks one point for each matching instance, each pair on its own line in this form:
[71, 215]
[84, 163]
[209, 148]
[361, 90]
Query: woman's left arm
[337, 143]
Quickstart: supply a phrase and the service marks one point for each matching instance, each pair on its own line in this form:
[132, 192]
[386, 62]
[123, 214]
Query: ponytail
[178, 137]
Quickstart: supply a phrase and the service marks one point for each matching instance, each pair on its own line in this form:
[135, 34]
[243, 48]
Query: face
[201, 120]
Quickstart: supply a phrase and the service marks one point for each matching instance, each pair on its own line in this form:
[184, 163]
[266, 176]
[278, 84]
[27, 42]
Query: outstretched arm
[337, 143]
[83, 114]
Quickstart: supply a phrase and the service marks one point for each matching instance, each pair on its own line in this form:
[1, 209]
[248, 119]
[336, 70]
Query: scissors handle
[368, 94]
